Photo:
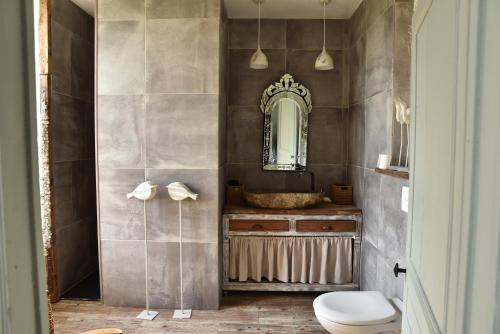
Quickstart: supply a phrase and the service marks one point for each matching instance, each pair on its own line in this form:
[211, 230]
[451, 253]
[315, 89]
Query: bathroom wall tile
[369, 259]
[375, 9]
[243, 34]
[308, 34]
[182, 56]
[246, 134]
[67, 14]
[123, 273]
[254, 178]
[327, 136]
[390, 189]
[120, 9]
[121, 57]
[402, 45]
[324, 176]
[357, 24]
[201, 284]
[72, 129]
[356, 177]
[182, 146]
[326, 86]
[83, 189]
[62, 175]
[73, 254]
[371, 207]
[121, 131]
[392, 236]
[199, 218]
[61, 39]
[378, 132]
[172, 9]
[356, 135]
[246, 85]
[379, 54]
[82, 69]
[120, 218]
[387, 283]
[357, 71]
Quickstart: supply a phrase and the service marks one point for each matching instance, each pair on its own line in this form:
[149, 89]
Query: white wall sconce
[145, 191]
[179, 191]
[258, 61]
[324, 62]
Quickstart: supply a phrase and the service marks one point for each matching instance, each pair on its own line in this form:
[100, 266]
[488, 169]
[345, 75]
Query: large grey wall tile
[326, 87]
[390, 286]
[121, 57]
[254, 178]
[374, 9]
[379, 54]
[357, 71]
[120, 9]
[63, 211]
[308, 34]
[391, 188]
[120, 218]
[243, 34]
[182, 56]
[61, 58]
[371, 207]
[325, 175]
[357, 24]
[171, 9]
[82, 69]
[201, 281]
[245, 135]
[326, 137]
[369, 259]
[69, 15]
[121, 131]
[199, 218]
[83, 189]
[172, 141]
[392, 236]
[356, 176]
[247, 85]
[378, 117]
[123, 273]
[357, 134]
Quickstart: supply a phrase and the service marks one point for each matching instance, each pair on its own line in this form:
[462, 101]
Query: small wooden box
[342, 194]
[234, 195]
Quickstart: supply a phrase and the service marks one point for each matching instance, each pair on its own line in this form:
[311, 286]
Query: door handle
[398, 270]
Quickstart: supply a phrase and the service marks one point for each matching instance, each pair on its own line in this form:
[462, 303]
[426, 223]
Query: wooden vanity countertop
[325, 209]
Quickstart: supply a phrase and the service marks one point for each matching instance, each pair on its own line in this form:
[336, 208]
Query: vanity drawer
[326, 226]
[258, 225]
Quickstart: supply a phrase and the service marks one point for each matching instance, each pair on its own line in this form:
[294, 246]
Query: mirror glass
[286, 105]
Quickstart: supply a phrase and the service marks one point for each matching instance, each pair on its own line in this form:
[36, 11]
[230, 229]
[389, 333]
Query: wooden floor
[242, 313]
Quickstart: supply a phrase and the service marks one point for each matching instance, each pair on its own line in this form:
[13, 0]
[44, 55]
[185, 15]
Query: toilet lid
[354, 308]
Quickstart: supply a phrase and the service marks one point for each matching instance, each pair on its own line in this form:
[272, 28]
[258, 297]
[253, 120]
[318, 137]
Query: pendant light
[259, 59]
[324, 61]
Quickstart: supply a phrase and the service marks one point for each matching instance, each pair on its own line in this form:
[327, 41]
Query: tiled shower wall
[161, 117]
[379, 48]
[72, 143]
[291, 47]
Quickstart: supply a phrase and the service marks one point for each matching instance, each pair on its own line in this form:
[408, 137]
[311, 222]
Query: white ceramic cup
[384, 161]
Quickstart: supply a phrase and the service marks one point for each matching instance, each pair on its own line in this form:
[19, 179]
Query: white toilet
[361, 312]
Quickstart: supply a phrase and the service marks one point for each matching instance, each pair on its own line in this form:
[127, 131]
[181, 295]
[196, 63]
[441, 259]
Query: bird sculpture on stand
[145, 191]
[406, 120]
[179, 191]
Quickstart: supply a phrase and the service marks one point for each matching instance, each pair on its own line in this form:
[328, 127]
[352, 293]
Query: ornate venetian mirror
[286, 106]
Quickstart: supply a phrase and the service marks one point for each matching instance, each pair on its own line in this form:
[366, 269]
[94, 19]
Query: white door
[453, 253]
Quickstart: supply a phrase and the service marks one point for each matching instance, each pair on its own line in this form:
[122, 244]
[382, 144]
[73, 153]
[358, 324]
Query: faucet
[311, 174]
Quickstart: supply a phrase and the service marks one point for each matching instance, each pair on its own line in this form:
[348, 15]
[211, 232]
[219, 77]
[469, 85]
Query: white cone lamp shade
[324, 62]
[259, 59]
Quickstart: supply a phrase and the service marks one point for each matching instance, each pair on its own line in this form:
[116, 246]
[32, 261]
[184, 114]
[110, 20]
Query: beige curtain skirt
[291, 259]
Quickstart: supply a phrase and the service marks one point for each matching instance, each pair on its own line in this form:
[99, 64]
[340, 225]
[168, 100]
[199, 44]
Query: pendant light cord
[258, 34]
[324, 25]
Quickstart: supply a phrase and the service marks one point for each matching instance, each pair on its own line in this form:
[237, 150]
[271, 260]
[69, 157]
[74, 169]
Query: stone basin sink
[282, 200]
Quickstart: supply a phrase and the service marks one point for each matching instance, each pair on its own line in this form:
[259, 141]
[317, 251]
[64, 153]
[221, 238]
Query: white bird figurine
[144, 191]
[179, 191]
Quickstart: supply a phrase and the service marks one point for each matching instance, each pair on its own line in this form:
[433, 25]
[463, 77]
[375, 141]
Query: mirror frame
[286, 88]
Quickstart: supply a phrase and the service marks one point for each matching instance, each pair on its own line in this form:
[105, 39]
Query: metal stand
[182, 313]
[147, 314]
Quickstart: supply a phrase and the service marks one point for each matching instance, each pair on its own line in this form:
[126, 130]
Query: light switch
[405, 195]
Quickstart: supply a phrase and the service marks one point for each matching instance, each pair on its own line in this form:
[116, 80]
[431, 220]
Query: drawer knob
[326, 227]
[257, 227]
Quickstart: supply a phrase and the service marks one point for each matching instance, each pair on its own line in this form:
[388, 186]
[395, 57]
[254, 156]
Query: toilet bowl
[357, 312]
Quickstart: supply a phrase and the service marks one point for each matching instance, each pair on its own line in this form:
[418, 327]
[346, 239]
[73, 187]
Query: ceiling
[276, 9]
[291, 9]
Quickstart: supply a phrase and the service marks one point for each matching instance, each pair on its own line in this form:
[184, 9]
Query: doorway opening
[67, 150]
